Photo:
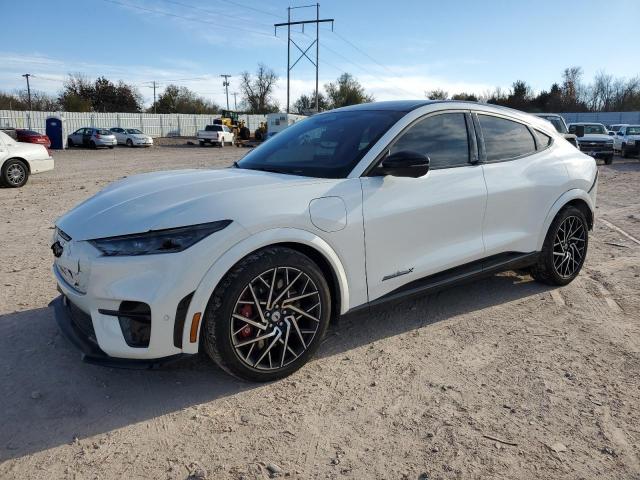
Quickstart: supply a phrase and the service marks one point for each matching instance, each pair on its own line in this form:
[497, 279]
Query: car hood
[594, 137]
[139, 136]
[159, 200]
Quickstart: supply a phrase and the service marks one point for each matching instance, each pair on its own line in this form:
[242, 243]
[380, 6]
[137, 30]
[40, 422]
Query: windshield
[590, 129]
[328, 145]
[635, 130]
[133, 130]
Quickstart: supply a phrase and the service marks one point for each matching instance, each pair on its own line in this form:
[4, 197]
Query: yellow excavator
[238, 127]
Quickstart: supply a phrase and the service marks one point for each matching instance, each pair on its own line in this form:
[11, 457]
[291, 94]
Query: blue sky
[402, 48]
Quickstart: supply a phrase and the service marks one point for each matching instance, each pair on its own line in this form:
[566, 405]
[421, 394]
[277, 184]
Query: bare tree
[258, 90]
[437, 94]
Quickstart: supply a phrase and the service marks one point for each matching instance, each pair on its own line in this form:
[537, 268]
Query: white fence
[155, 125]
[608, 118]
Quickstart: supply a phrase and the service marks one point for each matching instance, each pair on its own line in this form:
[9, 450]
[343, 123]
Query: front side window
[443, 138]
[328, 145]
[505, 139]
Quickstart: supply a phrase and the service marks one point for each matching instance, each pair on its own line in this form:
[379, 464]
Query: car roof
[391, 105]
[586, 123]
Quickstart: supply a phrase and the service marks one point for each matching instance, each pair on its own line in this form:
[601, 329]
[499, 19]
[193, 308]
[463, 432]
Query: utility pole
[27, 75]
[154, 96]
[225, 84]
[316, 42]
[235, 100]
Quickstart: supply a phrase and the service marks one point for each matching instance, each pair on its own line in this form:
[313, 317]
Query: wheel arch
[577, 198]
[23, 160]
[303, 241]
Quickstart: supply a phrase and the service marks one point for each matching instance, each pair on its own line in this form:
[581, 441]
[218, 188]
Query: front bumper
[77, 327]
[596, 150]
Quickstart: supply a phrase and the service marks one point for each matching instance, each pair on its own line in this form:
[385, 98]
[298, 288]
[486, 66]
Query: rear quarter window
[505, 139]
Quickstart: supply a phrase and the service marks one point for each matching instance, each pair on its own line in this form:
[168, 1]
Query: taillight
[48, 151]
[97, 135]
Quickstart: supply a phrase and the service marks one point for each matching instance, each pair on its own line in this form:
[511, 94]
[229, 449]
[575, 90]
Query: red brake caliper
[246, 311]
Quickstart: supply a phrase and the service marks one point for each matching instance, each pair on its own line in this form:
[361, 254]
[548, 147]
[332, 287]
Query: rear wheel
[129, 143]
[608, 160]
[623, 151]
[564, 249]
[15, 173]
[70, 143]
[92, 144]
[268, 315]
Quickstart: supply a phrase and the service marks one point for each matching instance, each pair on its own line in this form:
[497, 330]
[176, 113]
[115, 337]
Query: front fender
[240, 250]
[568, 196]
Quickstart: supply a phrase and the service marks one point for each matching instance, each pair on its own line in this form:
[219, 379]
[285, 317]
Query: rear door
[86, 136]
[524, 179]
[416, 227]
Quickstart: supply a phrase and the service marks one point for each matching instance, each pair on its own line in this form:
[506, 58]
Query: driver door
[416, 227]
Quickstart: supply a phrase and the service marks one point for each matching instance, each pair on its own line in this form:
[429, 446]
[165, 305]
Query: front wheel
[268, 315]
[623, 151]
[15, 173]
[608, 160]
[564, 249]
[69, 143]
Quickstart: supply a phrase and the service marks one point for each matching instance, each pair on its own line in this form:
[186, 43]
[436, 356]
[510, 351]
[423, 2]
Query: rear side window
[213, 128]
[104, 132]
[542, 140]
[443, 138]
[505, 139]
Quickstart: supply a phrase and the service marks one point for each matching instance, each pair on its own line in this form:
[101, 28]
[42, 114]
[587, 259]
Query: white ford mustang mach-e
[346, 209]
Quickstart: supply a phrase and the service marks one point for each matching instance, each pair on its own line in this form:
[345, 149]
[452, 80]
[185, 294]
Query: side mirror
[611, 134]
[621, 134]
[579, 131]
[405, 164]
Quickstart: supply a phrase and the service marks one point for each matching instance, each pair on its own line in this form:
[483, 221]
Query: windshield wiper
[236, 164]
[269, 169]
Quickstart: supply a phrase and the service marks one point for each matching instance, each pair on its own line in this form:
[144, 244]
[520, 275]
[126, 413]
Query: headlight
[158, 241]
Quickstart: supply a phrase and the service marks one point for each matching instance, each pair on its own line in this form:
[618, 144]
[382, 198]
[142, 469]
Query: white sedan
[18, 160]
[343, 210]
[131, 137]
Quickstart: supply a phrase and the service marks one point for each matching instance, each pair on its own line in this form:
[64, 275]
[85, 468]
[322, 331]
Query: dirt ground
[502, 378]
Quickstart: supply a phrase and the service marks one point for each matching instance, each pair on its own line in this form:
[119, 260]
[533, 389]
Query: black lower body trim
[88, 346]
[457, 275]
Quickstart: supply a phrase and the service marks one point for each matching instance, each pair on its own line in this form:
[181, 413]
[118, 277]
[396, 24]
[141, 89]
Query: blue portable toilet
[55, 132]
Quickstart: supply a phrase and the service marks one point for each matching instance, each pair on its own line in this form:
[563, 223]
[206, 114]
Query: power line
[212, 12]
[192, 19]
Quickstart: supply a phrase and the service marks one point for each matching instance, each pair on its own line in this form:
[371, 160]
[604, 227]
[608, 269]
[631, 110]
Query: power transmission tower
[225, 84]
[27, 75]
[235, 100]
[316, 42]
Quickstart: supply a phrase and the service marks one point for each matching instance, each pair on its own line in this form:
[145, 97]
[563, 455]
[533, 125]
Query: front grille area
[595, 146]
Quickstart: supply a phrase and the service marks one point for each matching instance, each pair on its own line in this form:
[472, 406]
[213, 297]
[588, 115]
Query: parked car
[627, 140]
[31, 136]
[11, 132]
[92, 137]
[215, 134]
[593, 140]
[18, 160]
[561, 127]
[251, 263]
[131, 137]
[613, 129]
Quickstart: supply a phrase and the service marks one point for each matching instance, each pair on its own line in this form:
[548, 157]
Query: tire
[558, 271]
[70, 143]
[110, 147]
[608, 160]
[93, 145]
[201, 143]
[15, 173]
[221, 143]
[231, 342]
[129, 143]
[623, 151]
